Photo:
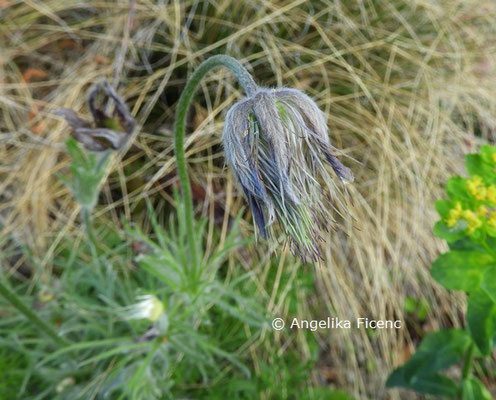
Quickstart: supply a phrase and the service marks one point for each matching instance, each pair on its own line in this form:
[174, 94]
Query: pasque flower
[107, 131]
[277, 144]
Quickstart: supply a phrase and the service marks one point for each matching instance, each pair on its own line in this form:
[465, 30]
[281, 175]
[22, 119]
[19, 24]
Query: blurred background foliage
[408, 88]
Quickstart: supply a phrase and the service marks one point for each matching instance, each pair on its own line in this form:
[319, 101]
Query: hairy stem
[250, 87]
[88, 227]
[29, 314]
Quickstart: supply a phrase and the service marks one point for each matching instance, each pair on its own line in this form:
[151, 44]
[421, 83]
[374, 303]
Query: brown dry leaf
[330, 375]
[68, 44]
[140, 247]
[31, 73]
[101, 60]
[405, 354]
[38, 128]
[33, 112]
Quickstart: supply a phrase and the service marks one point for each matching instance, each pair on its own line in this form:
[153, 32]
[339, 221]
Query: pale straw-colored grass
[408, 88]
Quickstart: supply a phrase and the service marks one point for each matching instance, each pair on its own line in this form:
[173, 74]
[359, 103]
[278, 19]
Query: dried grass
[408, 88]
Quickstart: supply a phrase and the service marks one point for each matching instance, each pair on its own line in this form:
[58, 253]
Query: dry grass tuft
[408, 87]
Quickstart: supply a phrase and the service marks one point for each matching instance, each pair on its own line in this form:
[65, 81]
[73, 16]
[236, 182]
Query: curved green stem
[467, 366]
[250, 87]
[488, 249]
[33, 317]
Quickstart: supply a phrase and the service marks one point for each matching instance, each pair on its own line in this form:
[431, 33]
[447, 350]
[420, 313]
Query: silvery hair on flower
[277, 144]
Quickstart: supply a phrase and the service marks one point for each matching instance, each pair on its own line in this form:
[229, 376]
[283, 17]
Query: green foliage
[13, 366]
[437, 351]
[473, 389]
[481, 318]
[136, 321]
[468, 224]
[462, 270]
[87, 171]
[418, 307]
[284, 377]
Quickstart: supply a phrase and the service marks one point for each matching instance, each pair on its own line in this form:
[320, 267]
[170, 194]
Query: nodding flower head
[277, 144]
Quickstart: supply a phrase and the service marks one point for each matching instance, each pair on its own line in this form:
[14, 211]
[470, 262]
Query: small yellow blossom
[493, 156]
[451, 222]
[492, 220]
[473, 225]
[473, 183]
[468, 215]
[472, 220]
[476, 187]
[481, 193]
[456, 211]
[482, 211]
[491, 193]
[454, 215]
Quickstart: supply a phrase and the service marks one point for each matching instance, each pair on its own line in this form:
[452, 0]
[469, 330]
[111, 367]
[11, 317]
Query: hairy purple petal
[277, 144]
[107, 132]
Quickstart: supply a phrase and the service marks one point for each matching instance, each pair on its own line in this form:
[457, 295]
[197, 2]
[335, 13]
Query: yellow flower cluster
[472, 218]
[492, 218]
[476, 188]
[482, 211]
[454, 215]
[491, 193]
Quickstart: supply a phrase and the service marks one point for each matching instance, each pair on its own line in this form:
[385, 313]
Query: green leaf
[113, 342]
[480, 319]
[438, 350]
[473, 389]
[491, 231]
[77, 154]
[125, 348]
[450, 234]
[456, 187]
[491, 242]
[489, 283]
[435, 384]
[419, 307]
[466, 244]
[410, 304]
[163, 267]
[486, 153]
[423, 310]
[443, 207]
[88, 170]
[461, 270]
[476, 166]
